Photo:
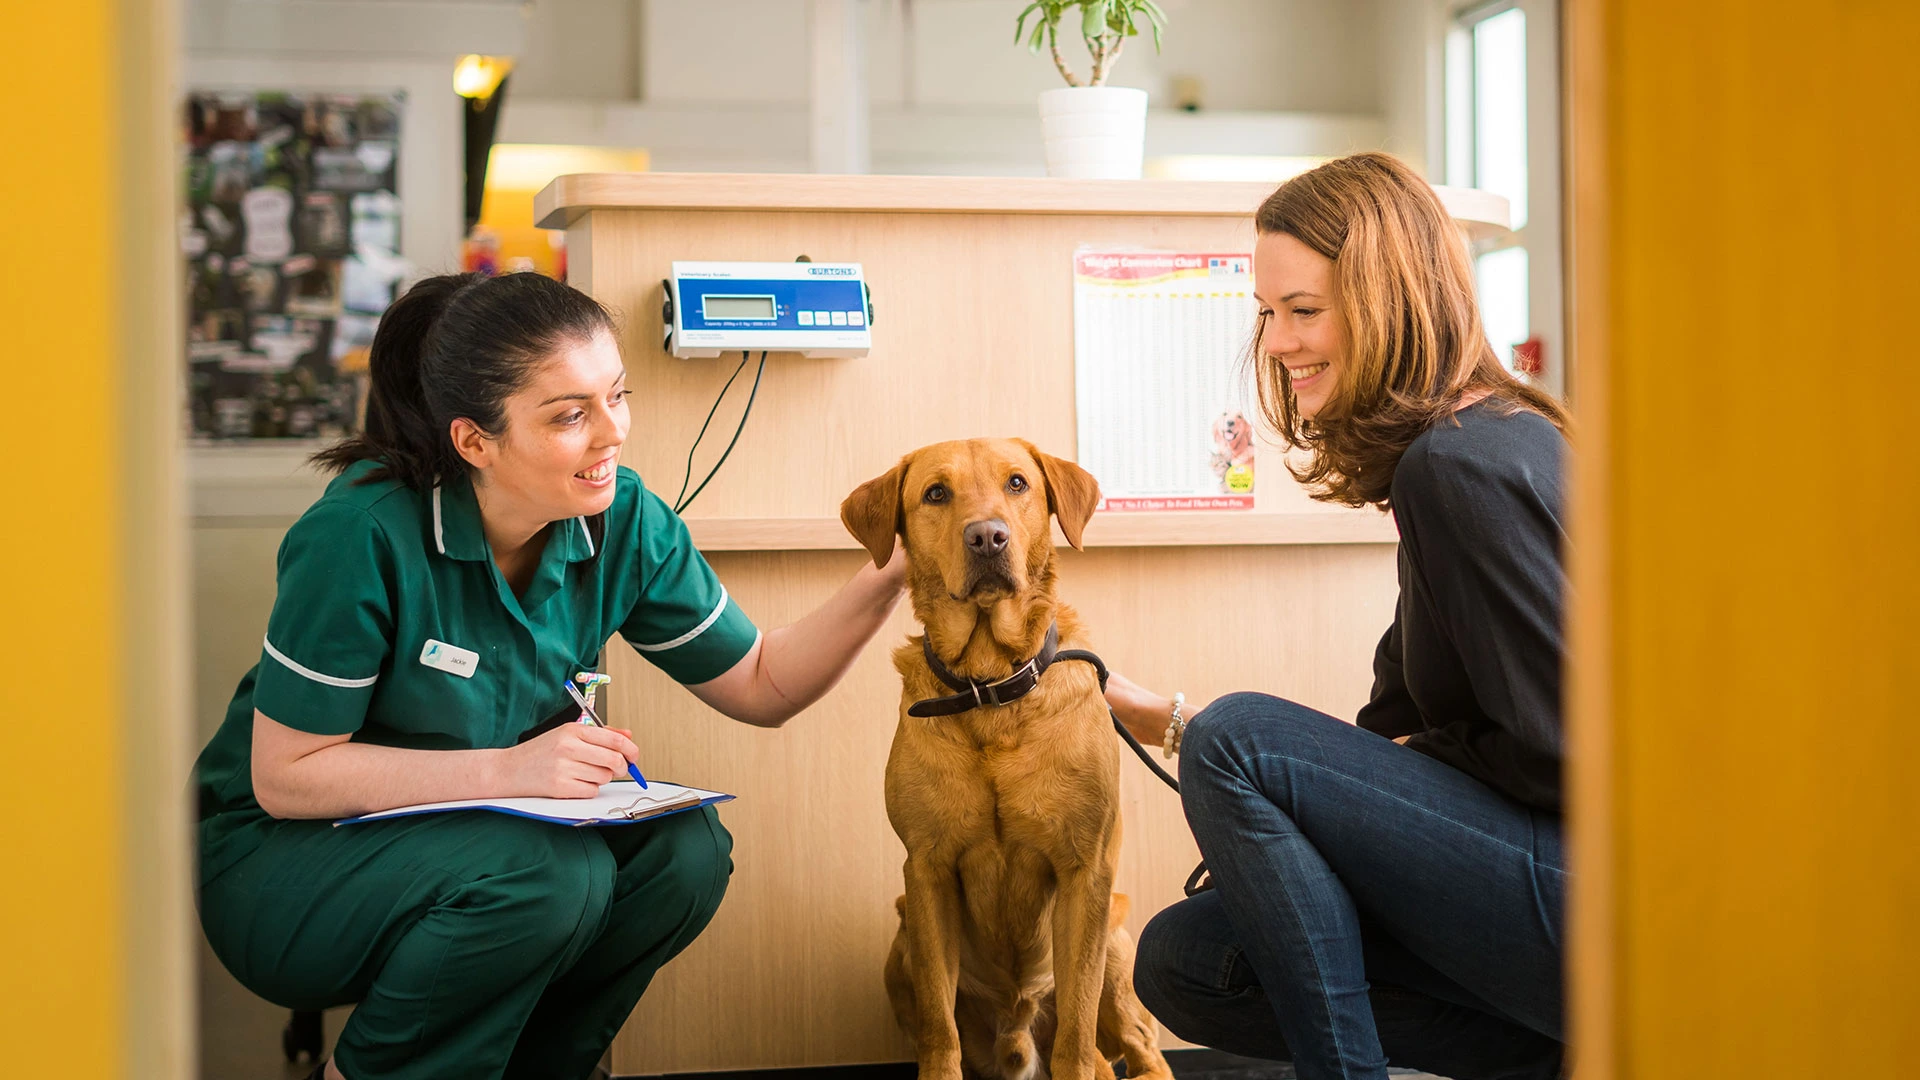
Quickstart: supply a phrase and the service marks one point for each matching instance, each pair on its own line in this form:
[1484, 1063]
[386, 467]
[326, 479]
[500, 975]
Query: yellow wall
[515, 174]
[59, 915]
[1746, 714]
[92, 915]
[509, 213]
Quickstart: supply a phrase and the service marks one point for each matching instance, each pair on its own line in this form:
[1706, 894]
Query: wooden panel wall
[973, 336]
[789, 972]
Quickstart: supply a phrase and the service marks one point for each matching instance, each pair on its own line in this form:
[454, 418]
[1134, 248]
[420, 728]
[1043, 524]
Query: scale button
[856, 318]
[839, 318]
[820, 318]
[806, 318]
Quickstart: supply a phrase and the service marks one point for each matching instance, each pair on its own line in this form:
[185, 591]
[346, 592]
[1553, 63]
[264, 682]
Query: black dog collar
[975, 695]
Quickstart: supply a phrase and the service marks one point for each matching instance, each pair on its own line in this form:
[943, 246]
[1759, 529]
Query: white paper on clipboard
[1162, 398]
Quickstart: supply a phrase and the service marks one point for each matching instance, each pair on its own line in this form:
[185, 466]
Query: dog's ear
[872, 513]
[1072, 492]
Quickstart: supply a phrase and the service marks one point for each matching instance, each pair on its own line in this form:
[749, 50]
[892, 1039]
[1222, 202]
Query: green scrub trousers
[475, 944]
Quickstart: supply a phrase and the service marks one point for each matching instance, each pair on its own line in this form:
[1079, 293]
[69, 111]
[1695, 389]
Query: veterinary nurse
[1387, 893]
[479, 546]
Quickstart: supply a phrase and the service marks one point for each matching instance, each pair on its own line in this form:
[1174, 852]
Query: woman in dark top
[1387, 893]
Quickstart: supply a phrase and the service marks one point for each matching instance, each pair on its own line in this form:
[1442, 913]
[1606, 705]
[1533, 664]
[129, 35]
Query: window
[1501, 279]
[1487, 147]
[1500, 108]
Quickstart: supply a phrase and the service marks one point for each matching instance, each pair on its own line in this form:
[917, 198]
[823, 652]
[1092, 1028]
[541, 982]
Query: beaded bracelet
[1170, 742]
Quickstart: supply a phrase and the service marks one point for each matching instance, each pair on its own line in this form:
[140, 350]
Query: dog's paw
[1016, 1055]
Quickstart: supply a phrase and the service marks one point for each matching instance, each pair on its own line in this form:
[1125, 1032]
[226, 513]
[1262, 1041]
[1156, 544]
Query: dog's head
[973, 515]
[1232, 434]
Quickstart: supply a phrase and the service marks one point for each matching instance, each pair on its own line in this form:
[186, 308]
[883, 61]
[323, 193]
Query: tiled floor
[240, 1040]
[1187, 1065]
[1214, 1065]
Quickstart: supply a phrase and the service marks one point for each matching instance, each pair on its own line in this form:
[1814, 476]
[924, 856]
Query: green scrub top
[392, 624]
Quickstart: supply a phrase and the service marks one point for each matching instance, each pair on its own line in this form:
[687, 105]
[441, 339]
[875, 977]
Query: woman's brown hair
[1403, 289]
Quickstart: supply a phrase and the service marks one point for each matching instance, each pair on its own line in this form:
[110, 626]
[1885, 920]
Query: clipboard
[621, 802]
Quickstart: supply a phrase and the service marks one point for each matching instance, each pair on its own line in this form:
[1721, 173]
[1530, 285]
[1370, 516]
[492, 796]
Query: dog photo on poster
[1160, 392]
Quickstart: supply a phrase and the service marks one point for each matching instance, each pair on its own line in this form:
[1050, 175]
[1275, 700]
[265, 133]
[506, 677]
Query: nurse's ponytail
[456, 347]
[399, 428]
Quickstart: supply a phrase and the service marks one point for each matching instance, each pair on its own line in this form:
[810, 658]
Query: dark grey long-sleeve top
[1471, 666]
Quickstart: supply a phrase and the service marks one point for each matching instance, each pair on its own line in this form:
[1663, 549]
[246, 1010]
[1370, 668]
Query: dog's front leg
[933, 954]
[1079, 969]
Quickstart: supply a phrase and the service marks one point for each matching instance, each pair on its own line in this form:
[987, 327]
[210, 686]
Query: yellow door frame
[1745, 726]
[96, 916]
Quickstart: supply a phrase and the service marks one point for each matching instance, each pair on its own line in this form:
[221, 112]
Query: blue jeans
[1372, 906]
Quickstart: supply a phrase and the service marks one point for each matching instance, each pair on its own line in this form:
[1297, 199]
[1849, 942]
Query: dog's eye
[1017, 483]
[935, 494]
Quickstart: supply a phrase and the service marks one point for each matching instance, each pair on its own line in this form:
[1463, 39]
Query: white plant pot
[1094, 132]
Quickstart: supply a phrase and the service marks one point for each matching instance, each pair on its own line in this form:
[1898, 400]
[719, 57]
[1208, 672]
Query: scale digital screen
[737, 307]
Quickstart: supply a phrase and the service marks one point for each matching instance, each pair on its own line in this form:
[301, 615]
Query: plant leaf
[1093, 20]
[1020, 27]
[1156, 18]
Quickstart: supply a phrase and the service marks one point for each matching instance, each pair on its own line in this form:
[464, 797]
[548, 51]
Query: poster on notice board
[1160, 390]
[291, 236]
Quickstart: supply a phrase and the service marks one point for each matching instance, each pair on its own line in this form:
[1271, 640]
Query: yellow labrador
[1010, 956]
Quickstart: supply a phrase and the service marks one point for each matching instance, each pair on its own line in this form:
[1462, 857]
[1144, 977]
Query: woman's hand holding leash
[1144, 712]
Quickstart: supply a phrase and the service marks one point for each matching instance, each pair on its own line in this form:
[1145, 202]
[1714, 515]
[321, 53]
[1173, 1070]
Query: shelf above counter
[1117, 530]
[569, 198]
[257, 482]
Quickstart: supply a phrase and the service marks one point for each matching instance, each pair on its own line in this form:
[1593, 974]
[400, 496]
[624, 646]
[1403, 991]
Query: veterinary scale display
[814, 309]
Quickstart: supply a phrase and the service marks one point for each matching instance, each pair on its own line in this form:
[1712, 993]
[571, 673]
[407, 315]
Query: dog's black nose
[987, 537]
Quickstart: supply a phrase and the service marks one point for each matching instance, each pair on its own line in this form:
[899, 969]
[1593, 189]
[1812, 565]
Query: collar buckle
[1030, 669]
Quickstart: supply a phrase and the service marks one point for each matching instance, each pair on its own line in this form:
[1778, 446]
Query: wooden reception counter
[973, 299]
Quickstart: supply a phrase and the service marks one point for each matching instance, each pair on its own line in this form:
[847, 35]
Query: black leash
[1197, 882]
[1138, 750]
[1024, 679]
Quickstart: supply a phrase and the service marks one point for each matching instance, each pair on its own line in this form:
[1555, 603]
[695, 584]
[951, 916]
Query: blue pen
[588, 716]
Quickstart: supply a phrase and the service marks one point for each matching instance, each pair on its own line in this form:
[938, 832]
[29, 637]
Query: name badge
[450, 658]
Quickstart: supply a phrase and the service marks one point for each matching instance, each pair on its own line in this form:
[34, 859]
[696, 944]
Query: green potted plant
[1092, 130]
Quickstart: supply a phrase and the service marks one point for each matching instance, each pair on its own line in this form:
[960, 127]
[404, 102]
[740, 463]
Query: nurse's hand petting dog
[569, 762]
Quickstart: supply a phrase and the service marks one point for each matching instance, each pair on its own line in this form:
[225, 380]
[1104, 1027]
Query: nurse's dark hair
[457, 346]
